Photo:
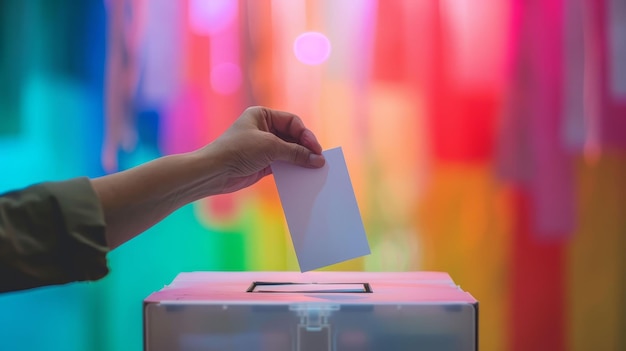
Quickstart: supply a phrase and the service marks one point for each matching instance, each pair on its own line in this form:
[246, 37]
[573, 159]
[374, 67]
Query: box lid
[386, 288]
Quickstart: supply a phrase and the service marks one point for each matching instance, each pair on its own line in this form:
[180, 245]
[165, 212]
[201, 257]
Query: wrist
[202, 174]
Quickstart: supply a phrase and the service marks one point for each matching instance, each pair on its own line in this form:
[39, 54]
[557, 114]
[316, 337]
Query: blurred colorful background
[484, 138]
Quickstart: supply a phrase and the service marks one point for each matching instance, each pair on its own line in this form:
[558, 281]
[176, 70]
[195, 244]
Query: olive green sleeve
[51, 233]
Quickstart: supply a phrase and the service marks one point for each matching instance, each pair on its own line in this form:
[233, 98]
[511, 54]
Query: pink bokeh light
[312, 48]
[207, 17]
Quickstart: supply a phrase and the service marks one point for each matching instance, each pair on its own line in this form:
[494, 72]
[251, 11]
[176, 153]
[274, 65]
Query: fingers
[308, 140]
[293, 142]
[299, 155]
[290, 127]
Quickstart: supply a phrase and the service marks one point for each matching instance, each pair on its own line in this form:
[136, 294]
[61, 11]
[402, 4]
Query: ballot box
[313, 311]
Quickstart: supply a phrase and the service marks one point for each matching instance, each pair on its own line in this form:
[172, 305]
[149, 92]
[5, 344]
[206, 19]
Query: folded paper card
[321, 211]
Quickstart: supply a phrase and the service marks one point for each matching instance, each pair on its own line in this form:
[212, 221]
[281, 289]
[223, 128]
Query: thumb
[299, 155]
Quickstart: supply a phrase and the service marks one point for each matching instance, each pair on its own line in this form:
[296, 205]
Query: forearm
[136, 199]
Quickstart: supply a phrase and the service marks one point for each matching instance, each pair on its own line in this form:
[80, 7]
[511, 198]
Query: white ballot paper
[321, 211]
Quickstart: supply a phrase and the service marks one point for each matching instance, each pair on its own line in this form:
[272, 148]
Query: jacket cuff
[85, 244]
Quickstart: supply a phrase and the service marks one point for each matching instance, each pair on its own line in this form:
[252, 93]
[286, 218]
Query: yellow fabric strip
[597, 264]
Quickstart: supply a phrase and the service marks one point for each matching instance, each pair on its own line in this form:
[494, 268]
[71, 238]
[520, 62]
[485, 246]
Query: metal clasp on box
[314, 331]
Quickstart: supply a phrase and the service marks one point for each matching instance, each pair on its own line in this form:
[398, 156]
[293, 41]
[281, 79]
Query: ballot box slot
[313, 287]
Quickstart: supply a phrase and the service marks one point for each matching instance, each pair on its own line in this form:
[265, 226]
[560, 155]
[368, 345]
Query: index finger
[290, 127]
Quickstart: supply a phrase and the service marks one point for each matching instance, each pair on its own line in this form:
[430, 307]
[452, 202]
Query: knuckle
[256, 109]
[299, 155]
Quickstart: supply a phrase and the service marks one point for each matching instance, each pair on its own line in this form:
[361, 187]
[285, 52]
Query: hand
[137, 198]
[259, 137]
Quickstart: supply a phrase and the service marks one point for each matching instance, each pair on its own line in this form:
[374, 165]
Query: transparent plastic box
[313, 311]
